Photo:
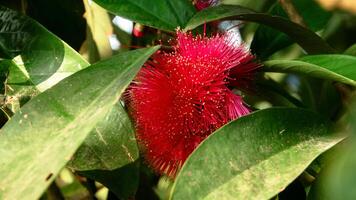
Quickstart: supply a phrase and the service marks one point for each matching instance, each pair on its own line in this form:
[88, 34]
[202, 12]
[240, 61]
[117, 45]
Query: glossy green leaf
[306, 38]
[267, 40]
[40, 139]
[254, 157]
[44, 56]
[123, 182]
[162, 14]
[339, 68]
[110, 145]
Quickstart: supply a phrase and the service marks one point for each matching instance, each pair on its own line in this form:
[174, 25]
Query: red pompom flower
[180, 98]
[202, 4]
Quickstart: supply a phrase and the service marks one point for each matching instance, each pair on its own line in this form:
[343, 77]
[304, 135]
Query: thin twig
[6, 112]
[292, 12]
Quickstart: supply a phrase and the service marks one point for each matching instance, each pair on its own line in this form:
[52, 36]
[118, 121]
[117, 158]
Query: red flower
[180, 98]
[202, 4]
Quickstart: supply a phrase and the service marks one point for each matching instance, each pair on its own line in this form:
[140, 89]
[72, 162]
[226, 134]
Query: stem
[23, 6]
[6, 112]
[306, 179]
[292, 12]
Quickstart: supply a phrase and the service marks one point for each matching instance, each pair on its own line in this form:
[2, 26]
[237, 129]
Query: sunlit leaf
[254, 157]
[99, 29]
[110, 145]
[40, 139]
[46, 58]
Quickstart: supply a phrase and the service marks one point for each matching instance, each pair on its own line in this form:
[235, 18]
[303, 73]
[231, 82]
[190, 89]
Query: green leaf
[44, 56]
[162, 14]
[19, 86]
[99, 28]
[123, 182]
[306, 38]
[269, 86]
[38, 141]
[338, 178]
[267, 40]
[339, 68]
[110, 145]
[254, 157]
[351, 50]
[311, 90]
[255, 5]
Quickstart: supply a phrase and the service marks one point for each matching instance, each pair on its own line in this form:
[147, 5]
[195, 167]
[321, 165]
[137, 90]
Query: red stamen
[180, 98]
